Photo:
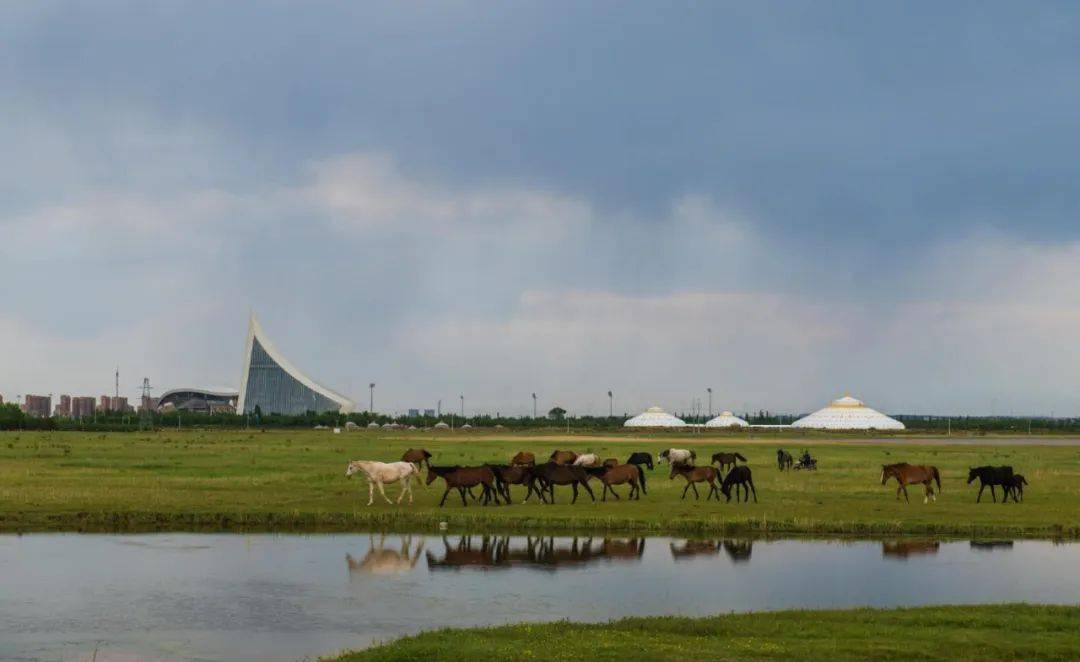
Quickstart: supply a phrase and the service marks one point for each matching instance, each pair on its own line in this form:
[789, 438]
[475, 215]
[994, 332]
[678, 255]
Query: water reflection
[990, 545]
[738, 551]
[381, 560]
[902, 549]
[545, 553]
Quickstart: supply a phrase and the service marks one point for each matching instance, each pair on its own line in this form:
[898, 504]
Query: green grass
[294, 480]
[988, 632]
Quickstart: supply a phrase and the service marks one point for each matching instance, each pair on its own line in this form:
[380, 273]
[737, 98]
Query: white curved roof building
[727, 420]
[654, 417]
[848, 413]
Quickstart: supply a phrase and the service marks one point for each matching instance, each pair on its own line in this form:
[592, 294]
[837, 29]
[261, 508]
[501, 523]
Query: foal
[462, 478]
[739, 477]
[694, 475]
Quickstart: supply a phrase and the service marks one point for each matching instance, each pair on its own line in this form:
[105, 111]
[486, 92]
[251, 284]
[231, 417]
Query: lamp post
[710, 401]
[371, 397]
[610, 405]
[534, 405]
[462, 396]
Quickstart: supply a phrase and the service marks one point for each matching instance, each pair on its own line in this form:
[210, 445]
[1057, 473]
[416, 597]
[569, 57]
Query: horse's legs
[905, 492]
[982, 486]
[444, 495]
[574, 486]
[461, 491]
[697, 496]
[382, 491]
[588, 489]
[370, 492]
[992, 495]
[688, 483]
[713, 491]
[603, 495]
[751, 481]
[613, 492]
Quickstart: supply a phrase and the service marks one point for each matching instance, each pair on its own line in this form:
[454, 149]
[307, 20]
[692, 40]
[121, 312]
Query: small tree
[557, 413]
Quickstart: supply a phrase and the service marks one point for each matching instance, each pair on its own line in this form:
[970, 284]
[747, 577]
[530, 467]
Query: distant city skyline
[778, 203]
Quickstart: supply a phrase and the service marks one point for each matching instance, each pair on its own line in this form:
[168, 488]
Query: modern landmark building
[275, 386]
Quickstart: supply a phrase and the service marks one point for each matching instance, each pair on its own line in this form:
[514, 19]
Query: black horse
[641, 458]
[992, 476]
[1017, 487]
[784, 459]
[560, 474]
[739, 477]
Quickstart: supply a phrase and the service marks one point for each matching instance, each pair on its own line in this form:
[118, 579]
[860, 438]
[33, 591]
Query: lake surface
[286, 597]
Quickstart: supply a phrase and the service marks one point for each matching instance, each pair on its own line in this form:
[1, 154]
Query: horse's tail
[740, 457]
[641, 477]
[937, 477]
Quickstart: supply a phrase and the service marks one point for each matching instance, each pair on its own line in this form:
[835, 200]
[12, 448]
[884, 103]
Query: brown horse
[557, 474]
[739, 477]
[695, 475]
[620, 474]
[611, 462]
[523, 459]
[462, 478]
[910, 474]
[417, 456]
[726, 459]
[563, 457]
[507, 475]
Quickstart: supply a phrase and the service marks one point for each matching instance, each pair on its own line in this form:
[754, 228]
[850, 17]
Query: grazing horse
[382, 473]
[677, 455]
[991, 476]
[507, 475]
[784, 459]
[1017, 486]
[618, 475]
[461, 478]
[739, 477]
[726, 459]
[563, 457]
[559, 474]
[523, 459]
[611, 462]
[587, 460]
[641, 458]
[909, 474]
[417, 456]
[694, 475]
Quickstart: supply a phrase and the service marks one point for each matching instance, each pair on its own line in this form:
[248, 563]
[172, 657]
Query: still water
[286, 597]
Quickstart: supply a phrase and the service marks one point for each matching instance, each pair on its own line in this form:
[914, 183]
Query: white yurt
[727, 420]
[654, 417]
[848, 413]
[441, 426]
[466, 427]
[373, 425]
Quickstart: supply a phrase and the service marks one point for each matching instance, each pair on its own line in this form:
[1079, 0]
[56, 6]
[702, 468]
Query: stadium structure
[848, 413]
[210, 400]
[274, 385]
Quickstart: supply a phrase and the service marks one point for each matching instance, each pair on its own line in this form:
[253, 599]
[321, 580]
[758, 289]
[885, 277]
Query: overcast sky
[781, 201]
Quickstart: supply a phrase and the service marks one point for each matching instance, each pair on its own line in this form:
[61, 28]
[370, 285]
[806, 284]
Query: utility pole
[610, 404]
[371, 398]
[710, 401]
[118, 382]
[534, 405]
[462, 396]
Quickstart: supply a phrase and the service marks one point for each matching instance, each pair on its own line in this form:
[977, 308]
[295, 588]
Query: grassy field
[294, 480]
[989, 632]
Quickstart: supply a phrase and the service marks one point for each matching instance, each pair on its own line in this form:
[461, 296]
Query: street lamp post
[371, 398]
[534, 405]
[462, 396]
[611, 404]
[710, 401]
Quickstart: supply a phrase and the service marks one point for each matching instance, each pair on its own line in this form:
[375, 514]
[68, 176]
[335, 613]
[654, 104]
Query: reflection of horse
[992, 476]
[689, 548]
[784, 459]
[641, 458]
[381, 473]
[539, 553]
[726, 459]
[739, 551]
[988, 545]
[677, 455]
[381, 561]
[910, 474]
[905, 548]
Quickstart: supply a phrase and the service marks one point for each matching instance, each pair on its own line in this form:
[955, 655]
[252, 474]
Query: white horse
[680, 455]
[381, 473]
[587, 460]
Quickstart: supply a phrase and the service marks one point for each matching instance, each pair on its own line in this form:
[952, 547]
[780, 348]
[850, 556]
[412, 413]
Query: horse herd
[562, 468]
[570, 469]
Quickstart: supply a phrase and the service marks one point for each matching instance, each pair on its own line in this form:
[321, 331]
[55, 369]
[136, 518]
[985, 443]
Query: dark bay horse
[726, 459]
[694, 475]
[619, 475]
[910, 474]
[509, 474]
[1017, 486]
[991, 476]
[784, 459]
[563, 457]
[524, 458]
[641, 458]
[739, 477]
[462, 478]
[417, 456]
[610, 462]
[559, 474]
